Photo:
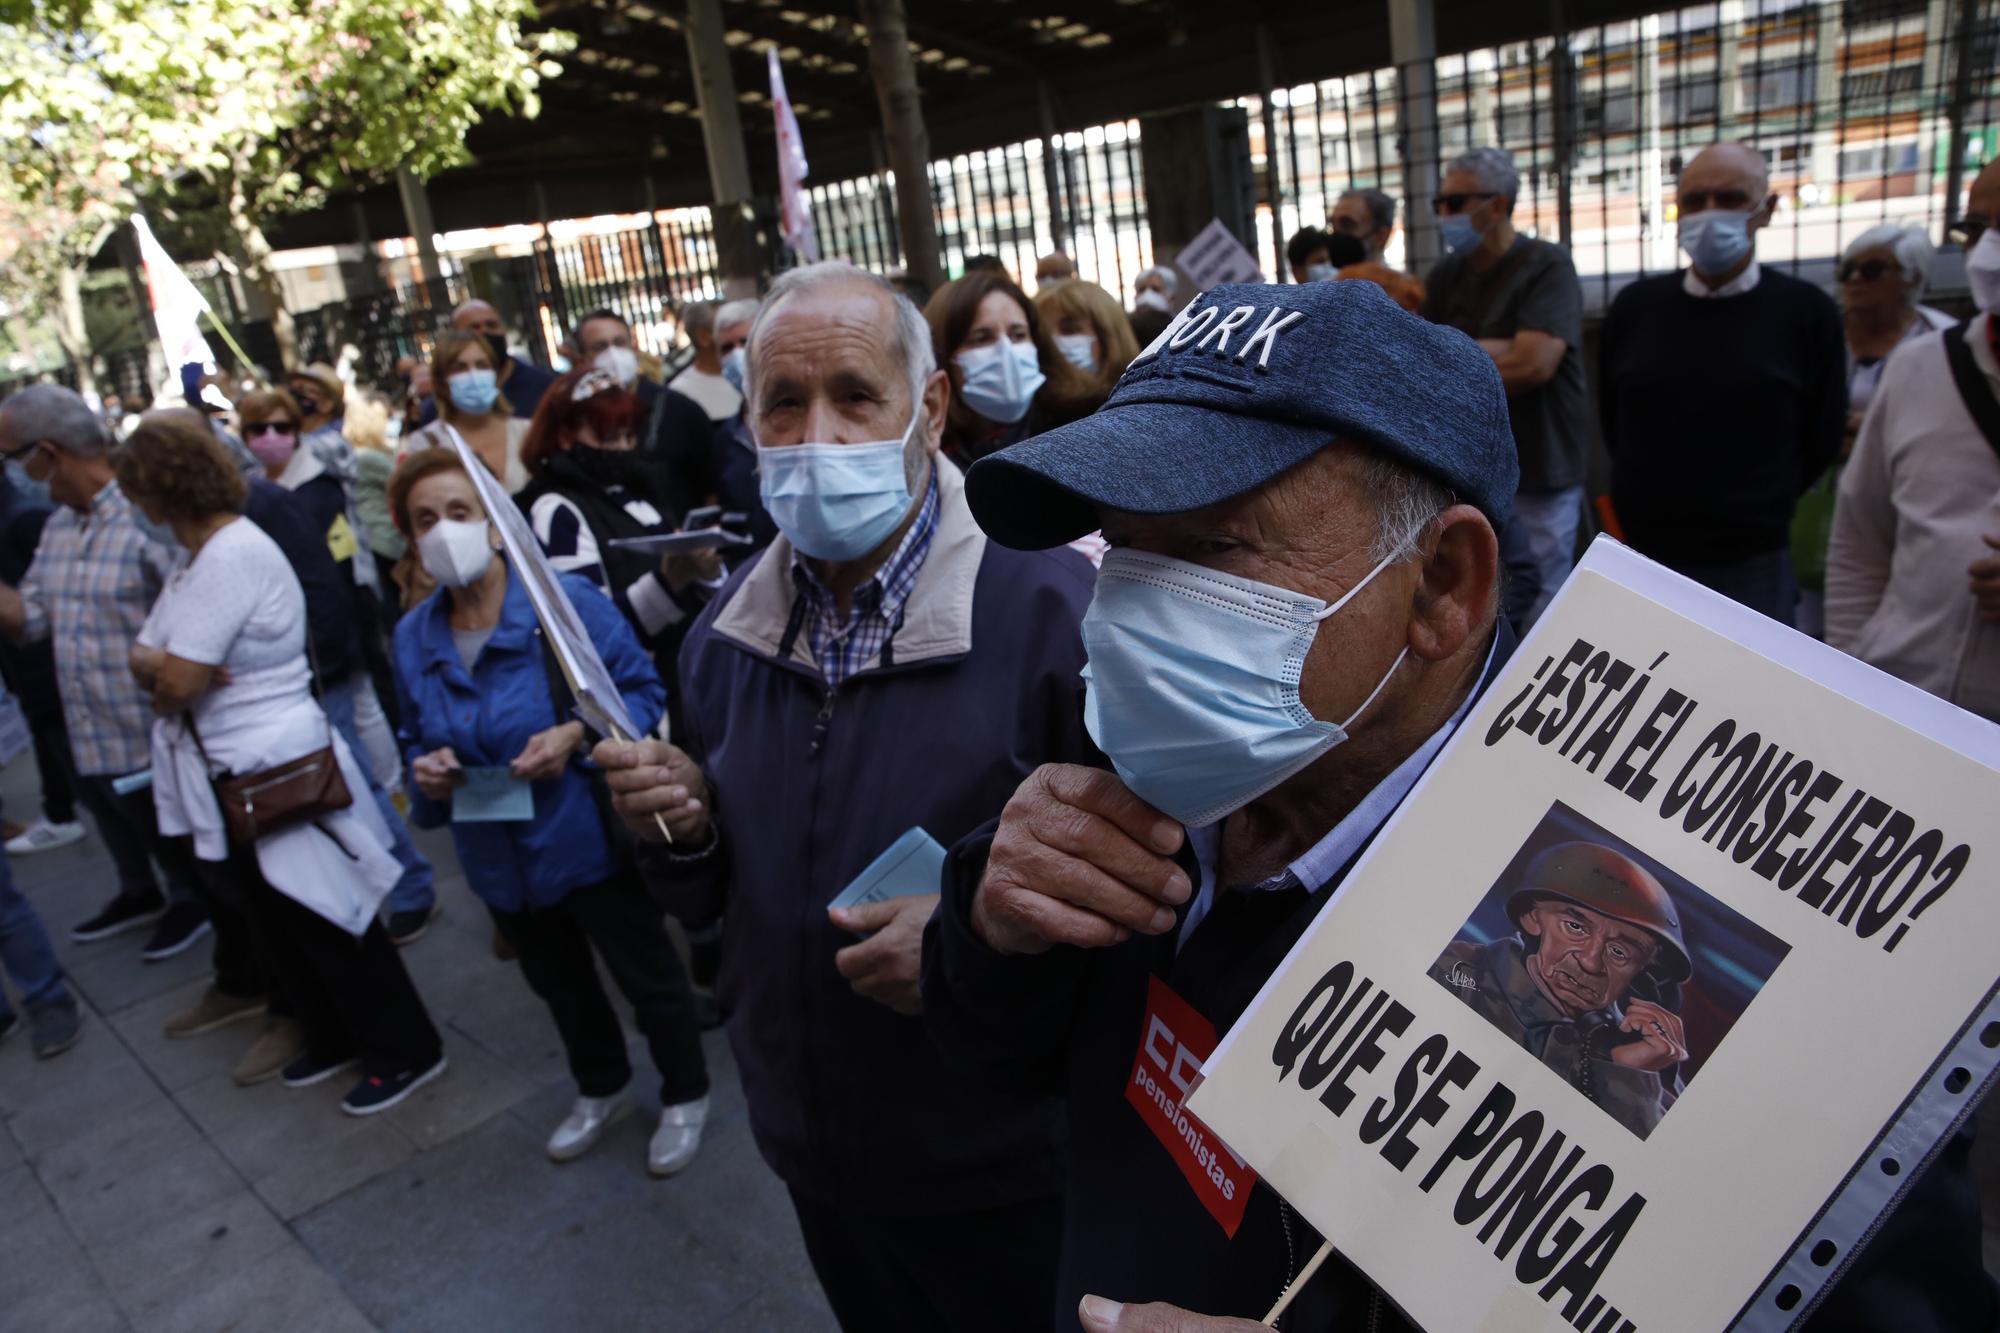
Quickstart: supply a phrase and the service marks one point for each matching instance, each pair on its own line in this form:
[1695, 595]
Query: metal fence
[1081, 192]
[1866, 111]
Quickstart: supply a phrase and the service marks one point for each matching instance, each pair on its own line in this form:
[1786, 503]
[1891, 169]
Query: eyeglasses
[18, 455]
[1867, 270]
[1703, 201]
[1968, 230]
[252, 429]
[1455, 203]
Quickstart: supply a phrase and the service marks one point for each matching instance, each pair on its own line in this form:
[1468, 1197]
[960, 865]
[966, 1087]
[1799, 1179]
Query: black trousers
[52, 757]
[242, 965]
[993, 1270]
[619, 917]
[352, 997]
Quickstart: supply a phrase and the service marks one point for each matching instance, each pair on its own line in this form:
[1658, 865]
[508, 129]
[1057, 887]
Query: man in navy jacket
[881, 666]
[1301, 487]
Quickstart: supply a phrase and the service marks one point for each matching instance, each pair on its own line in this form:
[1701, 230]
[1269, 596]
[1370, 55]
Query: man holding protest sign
[1101, 936]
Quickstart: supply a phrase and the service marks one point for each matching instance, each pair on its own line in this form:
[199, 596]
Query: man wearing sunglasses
[1722, 392]
[1519, 298]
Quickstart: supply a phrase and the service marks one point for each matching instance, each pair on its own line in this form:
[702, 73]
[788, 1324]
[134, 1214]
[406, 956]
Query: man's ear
[937, 402]
[1456, 591]
[1533, 932]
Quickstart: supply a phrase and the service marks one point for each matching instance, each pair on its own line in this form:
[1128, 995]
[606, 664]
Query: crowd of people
[1036, 578]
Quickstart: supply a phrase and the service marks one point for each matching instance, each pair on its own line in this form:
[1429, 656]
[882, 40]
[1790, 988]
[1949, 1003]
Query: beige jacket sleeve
[1864, 529]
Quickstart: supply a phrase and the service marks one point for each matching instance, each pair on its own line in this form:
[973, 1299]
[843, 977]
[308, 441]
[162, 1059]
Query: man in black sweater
[1722, 391]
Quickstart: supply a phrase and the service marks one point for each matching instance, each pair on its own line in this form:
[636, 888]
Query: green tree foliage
[226, 114]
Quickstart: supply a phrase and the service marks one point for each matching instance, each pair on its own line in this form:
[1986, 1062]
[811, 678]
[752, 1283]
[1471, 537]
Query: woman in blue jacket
[489, 752]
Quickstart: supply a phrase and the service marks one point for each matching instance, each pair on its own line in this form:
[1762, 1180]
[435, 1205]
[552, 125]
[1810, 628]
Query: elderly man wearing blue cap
[1301, 487]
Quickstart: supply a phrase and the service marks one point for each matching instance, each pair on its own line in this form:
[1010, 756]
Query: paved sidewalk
[141, 1189]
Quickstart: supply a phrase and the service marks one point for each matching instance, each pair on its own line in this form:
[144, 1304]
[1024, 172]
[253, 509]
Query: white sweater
[1919, 493]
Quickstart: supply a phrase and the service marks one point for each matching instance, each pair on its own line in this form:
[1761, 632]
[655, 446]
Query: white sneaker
[585, 1125]
[42, 836]
[678, 1138]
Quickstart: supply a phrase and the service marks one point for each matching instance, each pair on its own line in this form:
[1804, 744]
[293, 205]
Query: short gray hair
[1166, 274]
[1493, 168]
[1381, 207]
[1406, 502]
[1909, 244]
[698, 317]
[737, 312]
[60, 416]
[912, 335]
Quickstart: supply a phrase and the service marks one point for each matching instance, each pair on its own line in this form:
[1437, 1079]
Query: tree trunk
[70, 335]
[903, 129]
[255, 264]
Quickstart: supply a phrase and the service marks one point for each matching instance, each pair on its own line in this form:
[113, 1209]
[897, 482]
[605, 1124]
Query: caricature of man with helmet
[1588, 986]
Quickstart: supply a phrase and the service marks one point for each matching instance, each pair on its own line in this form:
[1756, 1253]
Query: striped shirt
[93, 580]
[875, 611]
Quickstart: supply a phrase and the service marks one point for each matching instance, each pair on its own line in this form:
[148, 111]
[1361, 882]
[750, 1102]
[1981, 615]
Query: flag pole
[242, 357]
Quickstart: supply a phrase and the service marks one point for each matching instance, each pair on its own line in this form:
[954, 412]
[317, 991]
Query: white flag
[794, 214]
[177, 306]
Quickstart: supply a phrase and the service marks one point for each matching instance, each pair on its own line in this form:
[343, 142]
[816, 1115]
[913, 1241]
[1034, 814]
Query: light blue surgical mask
[1716, 240]
[1457, 233]
[473, 390]
[836, 501]
[733, 365]
[1000, 380]
[1192, 683]
[1080, 350]
[1319, 273]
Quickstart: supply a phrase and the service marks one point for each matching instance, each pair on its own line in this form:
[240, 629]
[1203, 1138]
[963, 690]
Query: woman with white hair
[1882, 273]
[1880, 276]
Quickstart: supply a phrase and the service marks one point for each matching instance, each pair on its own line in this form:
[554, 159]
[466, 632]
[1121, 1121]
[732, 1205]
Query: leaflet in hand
[909, 867]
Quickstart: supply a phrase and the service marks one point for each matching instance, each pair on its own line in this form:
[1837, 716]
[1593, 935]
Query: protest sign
[1673, 969]
[1215, 255]
[598, 701]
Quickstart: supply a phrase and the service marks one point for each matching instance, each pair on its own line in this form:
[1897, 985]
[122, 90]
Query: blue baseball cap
[1247, 382]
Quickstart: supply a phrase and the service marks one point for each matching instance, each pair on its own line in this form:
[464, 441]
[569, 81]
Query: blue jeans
[1538, 549]
[25, 952]
[417, 889]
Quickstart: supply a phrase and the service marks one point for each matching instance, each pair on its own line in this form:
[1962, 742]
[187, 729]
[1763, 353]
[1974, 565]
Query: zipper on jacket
[821, 722]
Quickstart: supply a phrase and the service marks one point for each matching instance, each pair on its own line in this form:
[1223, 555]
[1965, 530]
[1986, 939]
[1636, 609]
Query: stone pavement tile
[784, 1310]
[293, 1144]
[440, 1216]
[285, 1290]
[614, 1266]
[733, 1200]
[49, 1102]
[86, 1175]
[127, 1207]
[490, 1003]
[178, 1062]
[151, 1274]
[475, 1088]
[47, 1283]
[112, 975]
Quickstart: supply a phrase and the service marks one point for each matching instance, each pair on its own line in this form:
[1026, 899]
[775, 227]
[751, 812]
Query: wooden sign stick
[1298, 1283]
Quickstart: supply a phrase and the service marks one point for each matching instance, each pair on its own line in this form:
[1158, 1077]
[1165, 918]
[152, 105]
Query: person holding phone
[590, 485]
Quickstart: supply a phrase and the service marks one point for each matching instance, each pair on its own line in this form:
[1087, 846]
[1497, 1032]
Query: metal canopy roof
[624, 111]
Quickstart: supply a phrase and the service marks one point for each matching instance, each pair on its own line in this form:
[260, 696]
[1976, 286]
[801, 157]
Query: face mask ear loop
[1380, 685]
[1349, 595]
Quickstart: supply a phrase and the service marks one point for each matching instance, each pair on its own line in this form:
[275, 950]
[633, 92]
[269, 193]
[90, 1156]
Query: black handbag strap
[1973, 386]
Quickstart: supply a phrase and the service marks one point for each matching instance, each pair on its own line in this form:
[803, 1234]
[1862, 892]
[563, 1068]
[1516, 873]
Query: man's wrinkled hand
[649, 778]
[1102, 1316]
[887, 967]
[1078, 859]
